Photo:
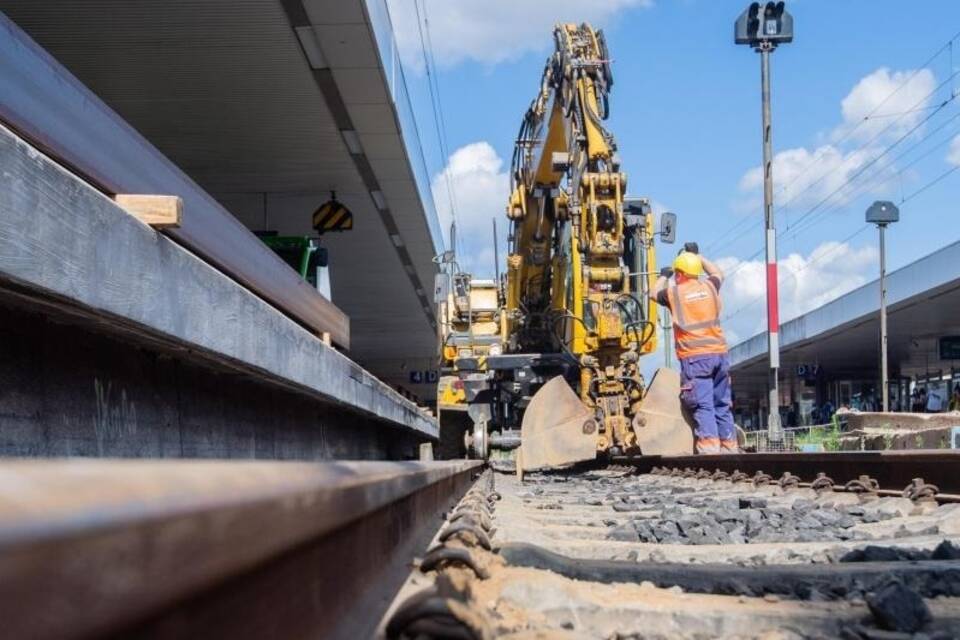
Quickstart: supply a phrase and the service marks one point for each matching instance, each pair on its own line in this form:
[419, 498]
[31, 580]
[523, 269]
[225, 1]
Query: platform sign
[950, 348]
[808, 371]
[429, 376]
[332, 216]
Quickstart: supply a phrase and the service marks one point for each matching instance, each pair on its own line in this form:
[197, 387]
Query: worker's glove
[666, 272]
[691, 247]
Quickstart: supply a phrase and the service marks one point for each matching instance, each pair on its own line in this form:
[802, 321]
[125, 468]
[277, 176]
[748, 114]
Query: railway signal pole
[763, 27]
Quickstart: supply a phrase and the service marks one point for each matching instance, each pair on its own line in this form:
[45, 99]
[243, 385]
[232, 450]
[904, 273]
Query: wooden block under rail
[160, 212]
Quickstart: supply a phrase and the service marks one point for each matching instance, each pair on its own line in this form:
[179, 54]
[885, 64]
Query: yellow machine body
[567, 274]
[574, 316]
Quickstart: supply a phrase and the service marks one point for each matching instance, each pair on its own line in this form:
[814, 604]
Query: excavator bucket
[557, 429]
[662, 426]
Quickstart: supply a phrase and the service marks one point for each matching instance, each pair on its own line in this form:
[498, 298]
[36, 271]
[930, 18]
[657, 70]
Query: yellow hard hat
[689, 264]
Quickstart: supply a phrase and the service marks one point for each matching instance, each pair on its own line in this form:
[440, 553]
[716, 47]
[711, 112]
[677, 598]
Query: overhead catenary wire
[948, 45]
[793, 274]
[436, 83]
[936, 109]
[872, 114]
[842, 243]
[433, 84]
[875, 159]
[871, 182]
[809, 212]
[930, 184]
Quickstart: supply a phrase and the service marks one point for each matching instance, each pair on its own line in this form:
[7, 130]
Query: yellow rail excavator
[560, 378]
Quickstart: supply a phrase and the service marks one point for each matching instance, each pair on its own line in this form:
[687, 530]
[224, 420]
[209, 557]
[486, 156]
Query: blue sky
[685, 112]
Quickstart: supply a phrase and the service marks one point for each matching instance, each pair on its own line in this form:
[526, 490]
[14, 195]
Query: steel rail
[213, 548]
[893, 470]
[52, 109]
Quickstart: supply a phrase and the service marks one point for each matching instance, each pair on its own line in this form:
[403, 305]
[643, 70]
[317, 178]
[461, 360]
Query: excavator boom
[575, 316]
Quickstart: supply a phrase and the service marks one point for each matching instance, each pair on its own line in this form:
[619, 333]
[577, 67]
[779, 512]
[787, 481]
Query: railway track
[639, 549]
[644, 549]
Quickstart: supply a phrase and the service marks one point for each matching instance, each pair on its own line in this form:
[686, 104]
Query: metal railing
[816, 437]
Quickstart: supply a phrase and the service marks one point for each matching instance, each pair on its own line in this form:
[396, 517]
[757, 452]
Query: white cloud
[953, 156]
[491, 31]
[805, 283]
[796, 184]
[895, 102]
[898, 107]
[480, 186]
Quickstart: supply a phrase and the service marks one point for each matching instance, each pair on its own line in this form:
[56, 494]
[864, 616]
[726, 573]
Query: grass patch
[826, 436]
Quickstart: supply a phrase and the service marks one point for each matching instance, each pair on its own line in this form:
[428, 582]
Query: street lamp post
[763, 28]
[882, 213]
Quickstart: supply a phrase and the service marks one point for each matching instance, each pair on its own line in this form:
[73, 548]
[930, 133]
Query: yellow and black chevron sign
[332, 216]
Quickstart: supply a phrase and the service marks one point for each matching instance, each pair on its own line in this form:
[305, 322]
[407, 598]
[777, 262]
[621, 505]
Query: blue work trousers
[705, 390]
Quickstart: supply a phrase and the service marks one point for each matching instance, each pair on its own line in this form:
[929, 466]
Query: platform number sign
[808, 371]
[430, 376]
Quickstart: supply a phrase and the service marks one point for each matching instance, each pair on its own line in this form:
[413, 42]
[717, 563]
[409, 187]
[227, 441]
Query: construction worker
[694, 302]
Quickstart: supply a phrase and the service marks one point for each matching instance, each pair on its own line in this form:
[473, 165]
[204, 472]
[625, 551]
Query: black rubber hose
[929, 578]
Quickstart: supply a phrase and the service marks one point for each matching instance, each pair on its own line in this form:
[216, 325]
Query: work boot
[708, 445]
[729, 446]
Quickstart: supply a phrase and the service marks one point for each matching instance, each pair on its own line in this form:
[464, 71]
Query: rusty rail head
[89, 547]
[884, 471]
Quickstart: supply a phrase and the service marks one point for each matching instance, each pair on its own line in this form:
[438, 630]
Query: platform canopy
[271, 105]
[842, 337]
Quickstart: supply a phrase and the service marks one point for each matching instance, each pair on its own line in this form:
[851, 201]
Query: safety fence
[810, 438]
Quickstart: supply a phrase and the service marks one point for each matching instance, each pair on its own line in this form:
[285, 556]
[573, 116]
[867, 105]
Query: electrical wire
[793, 274]
[873, 161]
[948, 45]
[930, 184]
[843, 242]
[937, 108]
[438, 121]
[872, 114]
[797, 227]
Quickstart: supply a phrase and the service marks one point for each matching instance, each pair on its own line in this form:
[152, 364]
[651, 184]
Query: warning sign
[332, 216]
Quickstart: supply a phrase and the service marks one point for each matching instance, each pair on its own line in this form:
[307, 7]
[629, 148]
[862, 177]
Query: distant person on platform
[955, 398]
[916, 406]
[934, 402]
[694, 302]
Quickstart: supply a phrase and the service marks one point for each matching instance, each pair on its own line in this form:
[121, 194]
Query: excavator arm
[575, 317]
[570, 287]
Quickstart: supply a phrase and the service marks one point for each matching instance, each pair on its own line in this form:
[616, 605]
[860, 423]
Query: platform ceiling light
[352, 140]
[378, 199]
[396, 240]
[311, 47]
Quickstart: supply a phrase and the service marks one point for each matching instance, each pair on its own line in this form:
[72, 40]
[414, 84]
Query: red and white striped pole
[774, 427]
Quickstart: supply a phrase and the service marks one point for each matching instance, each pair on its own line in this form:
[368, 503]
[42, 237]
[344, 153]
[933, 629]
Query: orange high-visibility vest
[695, 306]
